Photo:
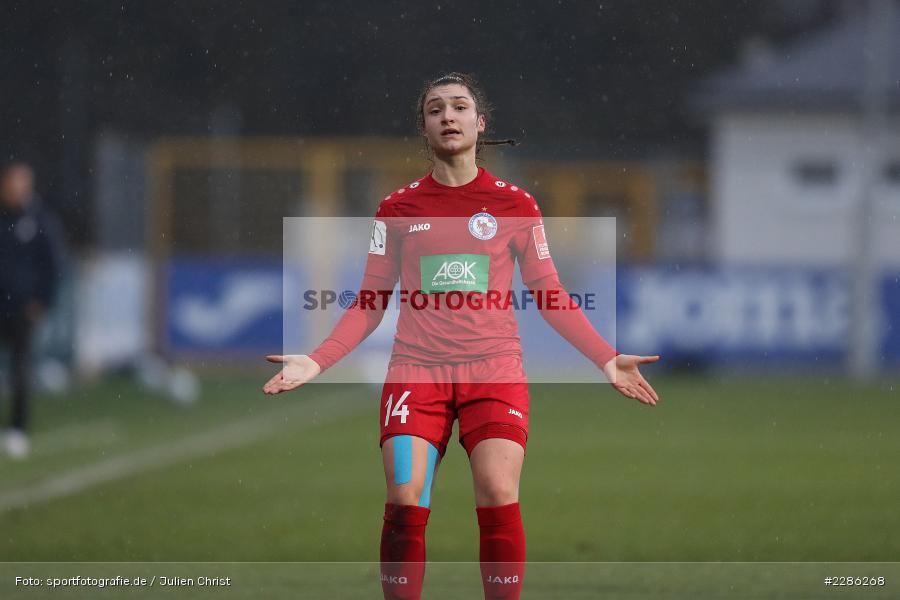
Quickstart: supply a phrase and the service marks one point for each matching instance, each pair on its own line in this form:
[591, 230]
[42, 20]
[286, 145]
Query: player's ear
[481, 124]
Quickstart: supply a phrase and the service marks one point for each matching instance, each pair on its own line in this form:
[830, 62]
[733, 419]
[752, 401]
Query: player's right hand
[298, 369]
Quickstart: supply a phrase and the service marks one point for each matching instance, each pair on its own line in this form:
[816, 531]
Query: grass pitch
[746, 469]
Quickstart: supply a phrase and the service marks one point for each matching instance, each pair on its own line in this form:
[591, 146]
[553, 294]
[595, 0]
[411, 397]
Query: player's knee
[497, 492]
[406, 494]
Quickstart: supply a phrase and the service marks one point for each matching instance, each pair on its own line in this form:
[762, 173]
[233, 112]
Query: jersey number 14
[400, 409]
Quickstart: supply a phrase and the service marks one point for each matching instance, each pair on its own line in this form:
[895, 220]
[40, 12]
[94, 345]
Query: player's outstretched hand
[298, 369]
[622, 372]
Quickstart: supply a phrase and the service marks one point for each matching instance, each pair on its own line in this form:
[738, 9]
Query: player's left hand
[298, 369]
[622, 372]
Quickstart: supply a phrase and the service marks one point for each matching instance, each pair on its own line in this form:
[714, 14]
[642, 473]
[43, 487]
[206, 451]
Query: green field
[769, 468]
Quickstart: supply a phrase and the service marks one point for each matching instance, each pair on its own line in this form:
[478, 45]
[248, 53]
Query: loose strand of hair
[510, 142]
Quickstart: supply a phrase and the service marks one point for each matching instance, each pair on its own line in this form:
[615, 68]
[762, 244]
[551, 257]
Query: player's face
[452, 124]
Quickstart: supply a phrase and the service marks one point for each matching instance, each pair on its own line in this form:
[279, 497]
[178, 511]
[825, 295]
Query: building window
[892, 173]
[817, 173]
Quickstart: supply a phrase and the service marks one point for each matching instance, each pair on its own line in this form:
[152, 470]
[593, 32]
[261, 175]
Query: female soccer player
[456, 233]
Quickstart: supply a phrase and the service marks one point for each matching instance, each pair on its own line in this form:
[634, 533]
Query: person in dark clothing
[30, 261]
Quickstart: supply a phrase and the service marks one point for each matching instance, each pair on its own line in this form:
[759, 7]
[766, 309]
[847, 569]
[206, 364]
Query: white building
[786, 148]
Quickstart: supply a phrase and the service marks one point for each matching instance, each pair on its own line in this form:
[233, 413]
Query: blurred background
[749, 151]
[752, 141]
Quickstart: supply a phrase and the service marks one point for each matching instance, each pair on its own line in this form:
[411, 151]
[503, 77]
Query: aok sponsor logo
[454, 272]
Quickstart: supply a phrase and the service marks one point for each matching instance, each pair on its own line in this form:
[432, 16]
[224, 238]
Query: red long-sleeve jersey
[454, 251]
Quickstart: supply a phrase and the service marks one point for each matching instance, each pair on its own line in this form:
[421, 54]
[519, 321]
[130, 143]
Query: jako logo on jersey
[483, 226]
[402, 580]
[419, 227]
[499, 579]
[513, 411]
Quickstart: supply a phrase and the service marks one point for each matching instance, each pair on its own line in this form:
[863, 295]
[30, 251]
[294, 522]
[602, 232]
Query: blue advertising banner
[747, 315]
[730, 316]
[890, 345]
[223, 305]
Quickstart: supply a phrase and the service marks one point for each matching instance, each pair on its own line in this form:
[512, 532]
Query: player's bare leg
[412, 488]
[410, 464]
[496, 468]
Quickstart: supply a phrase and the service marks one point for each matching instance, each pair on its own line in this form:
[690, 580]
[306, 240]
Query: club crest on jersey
[483, 226]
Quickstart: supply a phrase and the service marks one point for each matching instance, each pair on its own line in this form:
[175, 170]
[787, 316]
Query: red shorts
[486, 408]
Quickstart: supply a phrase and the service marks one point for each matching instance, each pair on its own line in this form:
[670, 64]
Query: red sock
[502, 551]
[403, 551]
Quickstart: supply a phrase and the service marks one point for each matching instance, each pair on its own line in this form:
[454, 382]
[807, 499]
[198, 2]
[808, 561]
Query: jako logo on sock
[399, 580]
[498, 579]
